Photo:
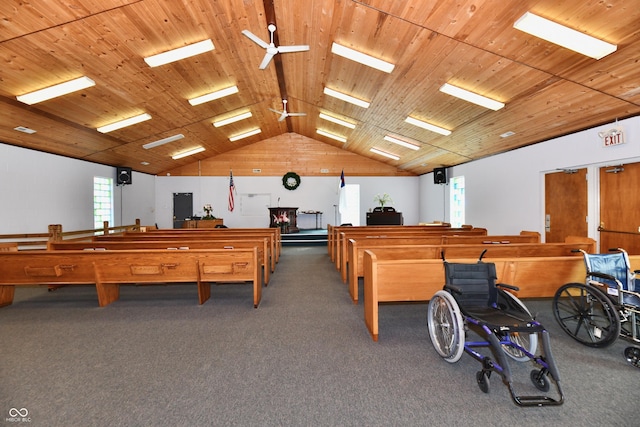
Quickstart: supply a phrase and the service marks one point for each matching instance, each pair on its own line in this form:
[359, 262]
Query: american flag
[232, 190]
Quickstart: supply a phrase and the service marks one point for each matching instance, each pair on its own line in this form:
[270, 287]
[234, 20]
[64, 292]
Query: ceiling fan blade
[266, 60]
[276, 111]
[297, 114]
[283, 116]
[300, 48]
[256, 39]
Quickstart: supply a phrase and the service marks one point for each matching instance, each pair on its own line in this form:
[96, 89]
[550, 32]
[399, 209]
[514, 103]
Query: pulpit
[384, 216]
[291, 213]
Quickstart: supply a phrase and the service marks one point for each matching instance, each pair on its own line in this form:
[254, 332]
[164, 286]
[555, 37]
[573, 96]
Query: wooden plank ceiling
[548, 90]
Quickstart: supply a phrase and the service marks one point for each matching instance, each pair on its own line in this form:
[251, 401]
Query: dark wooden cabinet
[291, 213]
[384, 218]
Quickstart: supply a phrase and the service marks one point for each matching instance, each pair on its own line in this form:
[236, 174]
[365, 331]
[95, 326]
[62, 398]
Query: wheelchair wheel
[524, 340]
[483, 381]
[586, 314]
[446, 327]
[632, 354]
[540, 380]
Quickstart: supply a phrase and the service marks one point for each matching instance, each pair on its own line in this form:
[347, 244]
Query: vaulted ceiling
[547, 90]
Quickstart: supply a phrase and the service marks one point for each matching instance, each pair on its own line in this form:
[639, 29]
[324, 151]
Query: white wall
[314, 193]
[38, 189]
[505, 193]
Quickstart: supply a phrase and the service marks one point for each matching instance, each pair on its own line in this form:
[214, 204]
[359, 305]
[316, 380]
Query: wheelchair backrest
[477, 283]
[614, 264]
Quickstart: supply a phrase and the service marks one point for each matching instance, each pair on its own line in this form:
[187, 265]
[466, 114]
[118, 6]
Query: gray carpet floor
[303, 358]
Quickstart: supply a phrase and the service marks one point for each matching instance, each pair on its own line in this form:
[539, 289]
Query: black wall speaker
[123, 176]
[440, 176]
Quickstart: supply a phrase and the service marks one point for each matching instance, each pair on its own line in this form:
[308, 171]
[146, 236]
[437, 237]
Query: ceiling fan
[271, 47]
[284, 113]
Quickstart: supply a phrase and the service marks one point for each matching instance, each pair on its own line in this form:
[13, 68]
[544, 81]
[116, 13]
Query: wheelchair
[605, 307]
[472, 302]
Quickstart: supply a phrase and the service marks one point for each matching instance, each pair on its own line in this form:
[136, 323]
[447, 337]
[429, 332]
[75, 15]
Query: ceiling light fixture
[362, 58]
[188, 153]
[384, 153]
[337, 121]
[124, 123]
[331, 135]
[245, 135]
[56, 90]
[163, 141]
[24, 129]
[472, 97]
[214, 95]
[564, 36]
[233, 119]
[346, 98]
[427, 126]
[401, 142]
[179, 53]
[507, 134]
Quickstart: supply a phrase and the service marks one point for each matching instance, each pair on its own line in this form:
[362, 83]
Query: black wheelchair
[472, 302]
[606, 306]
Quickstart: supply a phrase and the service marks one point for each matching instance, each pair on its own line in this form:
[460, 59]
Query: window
[456, 201]
[102, 201]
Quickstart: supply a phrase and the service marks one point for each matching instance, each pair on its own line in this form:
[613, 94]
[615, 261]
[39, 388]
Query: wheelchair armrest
[602, 276]
[453, 288]
[504, 285]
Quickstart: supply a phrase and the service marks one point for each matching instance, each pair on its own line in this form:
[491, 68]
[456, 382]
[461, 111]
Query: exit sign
[613, 137]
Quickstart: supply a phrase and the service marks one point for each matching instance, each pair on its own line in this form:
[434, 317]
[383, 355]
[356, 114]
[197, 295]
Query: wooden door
[565, 201]
[620, 208]
[182, 208]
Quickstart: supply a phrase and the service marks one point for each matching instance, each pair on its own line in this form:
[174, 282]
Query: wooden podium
[386, 216]
[292, 214]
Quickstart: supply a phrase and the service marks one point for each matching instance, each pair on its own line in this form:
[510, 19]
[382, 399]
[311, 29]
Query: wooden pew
[109, 269]
[354, 270]
[418, 239]
[390, 277]
[273, 233]
[199, 234]
[333, 232]
[344, 236]
[261, 244]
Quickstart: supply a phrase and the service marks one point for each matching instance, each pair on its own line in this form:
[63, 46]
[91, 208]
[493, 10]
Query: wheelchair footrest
[536, 400]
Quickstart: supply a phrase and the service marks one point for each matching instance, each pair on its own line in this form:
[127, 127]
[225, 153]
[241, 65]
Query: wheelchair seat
[475, 291]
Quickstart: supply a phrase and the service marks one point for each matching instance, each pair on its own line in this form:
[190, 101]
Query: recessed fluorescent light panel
[401, 142]
[124, 123]
[245, 135]
[362, 58]
[214, 95]
[331, 135]
[233, 119]
[384, 153]
[474, 98]
[564, 36]
[347, 98]
[427, 126]
[337, 121]
[188, 153]
[24, 129]
[163, 141]
[179, 53]
[56, 90]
